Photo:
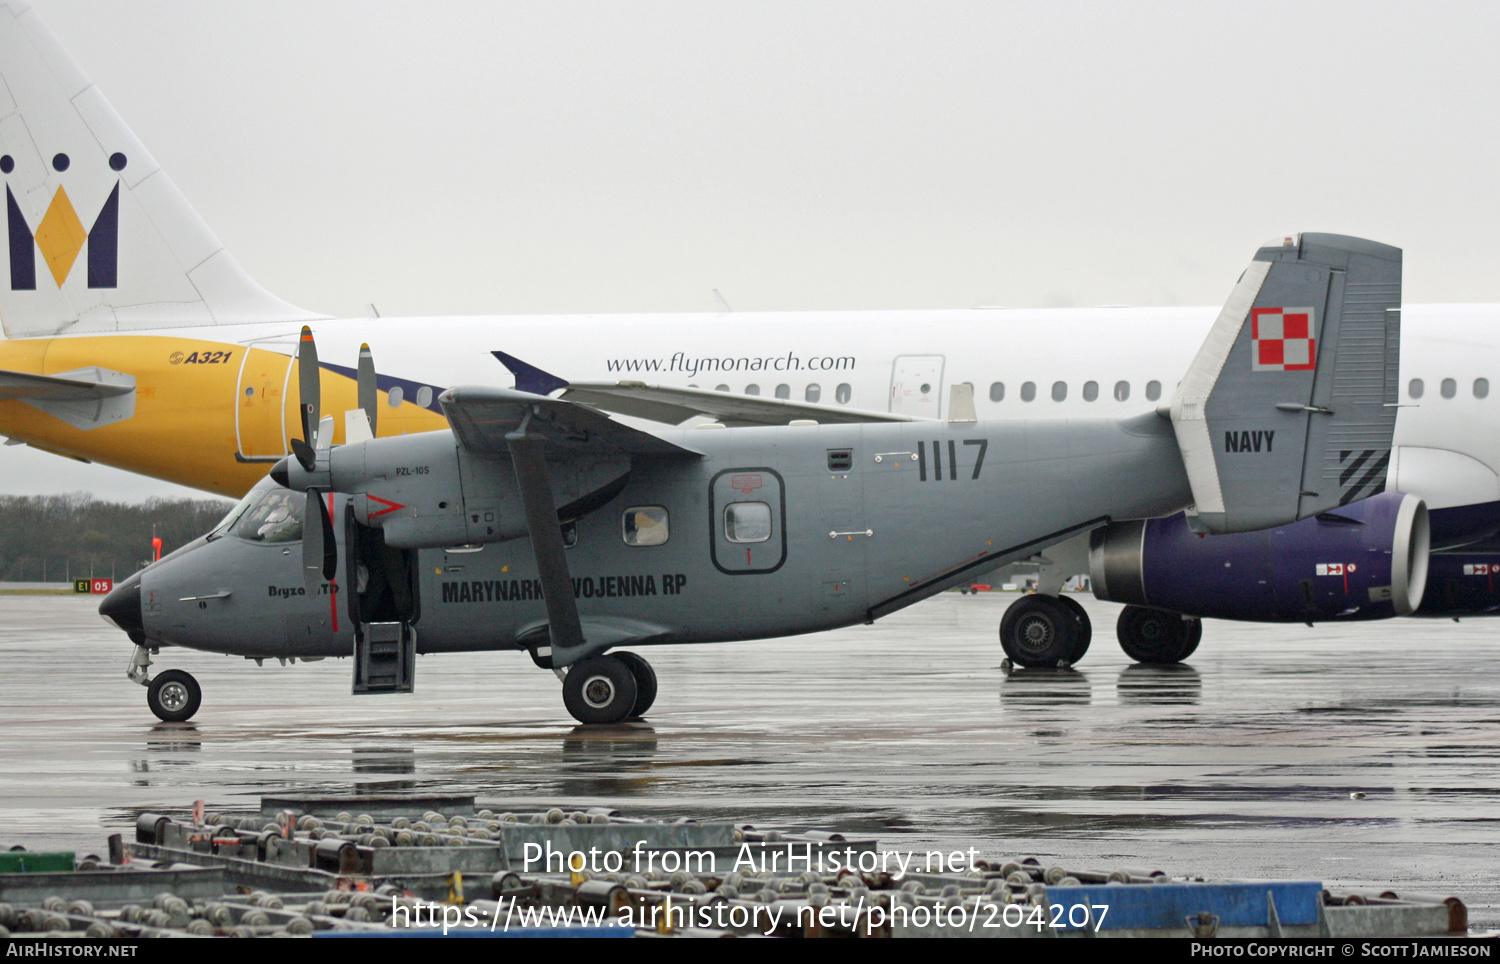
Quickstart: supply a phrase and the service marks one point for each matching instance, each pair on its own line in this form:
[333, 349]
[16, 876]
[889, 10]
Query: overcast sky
[503, 158]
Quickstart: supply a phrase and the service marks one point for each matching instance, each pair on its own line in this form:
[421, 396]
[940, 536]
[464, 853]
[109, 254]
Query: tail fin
[1289, 407]
[99, 238]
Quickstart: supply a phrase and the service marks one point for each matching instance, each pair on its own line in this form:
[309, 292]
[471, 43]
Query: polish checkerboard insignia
[1282, 340]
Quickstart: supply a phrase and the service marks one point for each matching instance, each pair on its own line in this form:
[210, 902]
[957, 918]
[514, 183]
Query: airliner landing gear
[1153, 636]
[174, 696]
[1039, 630]
[601, 689]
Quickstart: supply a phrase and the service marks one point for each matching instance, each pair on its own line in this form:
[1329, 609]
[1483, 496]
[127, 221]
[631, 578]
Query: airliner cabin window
[645, 525]
[783, 391]
[1481, 388]
[394, 398]
[1122, 391]
[747, 522]
[997, 391]
[1414, 388]
[813, 392]
[721, 388]
[1028, 391]
[843, 393]
[424, 396]
[1449, 388]
[1059, 391]
[1153, 391]
[1090, 391]
[752, 389]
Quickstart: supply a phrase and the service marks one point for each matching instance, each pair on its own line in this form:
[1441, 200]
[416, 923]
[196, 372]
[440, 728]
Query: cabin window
[752, 389]
[843, 393]
[1090, 391]
[645, 525]
[747, 522]
[394, 398]
[1414, 388]
[813, 392]
[1122, 391]
[997, 391]
[569, 534]
[1449, 388]
[721, 388]
[1028, 391]
[1059, 391]
[424, 396]
[784, 391]
[1153, 391]
[1481, 388]
[275, 517]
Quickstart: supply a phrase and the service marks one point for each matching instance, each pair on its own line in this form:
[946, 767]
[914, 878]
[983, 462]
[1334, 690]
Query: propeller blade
[312, 541]
[330, 545]
[310, 398]
[367, 392]
[305, 455]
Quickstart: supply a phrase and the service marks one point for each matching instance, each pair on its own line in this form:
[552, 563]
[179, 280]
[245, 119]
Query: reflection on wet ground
[1240, 764]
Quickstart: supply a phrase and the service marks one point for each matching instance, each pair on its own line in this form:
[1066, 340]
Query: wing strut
[564, 628]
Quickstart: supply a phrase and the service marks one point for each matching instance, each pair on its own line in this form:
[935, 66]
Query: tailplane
[1289, 408]
[98, 237]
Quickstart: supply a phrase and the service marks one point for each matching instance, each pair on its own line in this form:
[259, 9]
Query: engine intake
[1365, 560]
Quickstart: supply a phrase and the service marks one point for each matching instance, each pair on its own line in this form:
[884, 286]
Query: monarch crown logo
[61, 235]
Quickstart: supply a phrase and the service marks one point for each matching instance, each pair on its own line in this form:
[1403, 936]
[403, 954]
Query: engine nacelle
[424, 490]
[1365, 560]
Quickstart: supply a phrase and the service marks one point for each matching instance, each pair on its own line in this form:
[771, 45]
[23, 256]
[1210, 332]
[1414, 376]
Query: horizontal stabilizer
[85, 398]
[482, 418]
[1289, 408]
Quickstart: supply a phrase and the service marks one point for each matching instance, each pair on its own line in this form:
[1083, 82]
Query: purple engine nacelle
[1365, 560]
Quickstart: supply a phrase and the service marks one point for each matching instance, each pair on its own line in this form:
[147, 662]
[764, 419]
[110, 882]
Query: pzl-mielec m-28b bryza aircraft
[541, 523]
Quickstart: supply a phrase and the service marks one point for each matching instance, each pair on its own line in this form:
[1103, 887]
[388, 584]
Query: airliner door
[260, 405]
[917, 385]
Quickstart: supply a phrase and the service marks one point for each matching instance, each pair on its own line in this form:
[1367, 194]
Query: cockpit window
[233, 514]
[276, 516]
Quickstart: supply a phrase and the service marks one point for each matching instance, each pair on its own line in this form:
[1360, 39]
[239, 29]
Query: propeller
[319, 547]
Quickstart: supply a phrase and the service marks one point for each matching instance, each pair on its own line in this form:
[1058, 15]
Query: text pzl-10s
[541, 523]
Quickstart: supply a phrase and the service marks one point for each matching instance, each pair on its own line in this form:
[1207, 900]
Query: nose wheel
[608, 689]
[174, 696]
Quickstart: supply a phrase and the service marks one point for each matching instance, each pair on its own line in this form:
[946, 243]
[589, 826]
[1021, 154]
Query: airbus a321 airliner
[134, 339]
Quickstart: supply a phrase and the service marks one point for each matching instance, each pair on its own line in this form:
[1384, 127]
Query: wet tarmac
[1244, 763]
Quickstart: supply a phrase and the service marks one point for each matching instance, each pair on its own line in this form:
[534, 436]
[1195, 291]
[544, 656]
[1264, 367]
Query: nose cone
[123, 608]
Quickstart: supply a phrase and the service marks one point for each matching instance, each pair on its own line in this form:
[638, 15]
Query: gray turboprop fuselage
[775, 531]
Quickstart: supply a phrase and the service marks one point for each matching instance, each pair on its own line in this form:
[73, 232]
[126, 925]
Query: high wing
[489, 419]
[673, 406]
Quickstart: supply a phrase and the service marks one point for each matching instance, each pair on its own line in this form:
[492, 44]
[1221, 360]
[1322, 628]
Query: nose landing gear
[173, 696]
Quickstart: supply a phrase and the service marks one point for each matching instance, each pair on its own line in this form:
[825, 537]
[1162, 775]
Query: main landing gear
[1041, 630]
[1153, 636]
[608, 689]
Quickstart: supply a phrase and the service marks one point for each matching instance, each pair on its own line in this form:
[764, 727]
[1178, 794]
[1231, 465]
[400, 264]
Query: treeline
[55, 537]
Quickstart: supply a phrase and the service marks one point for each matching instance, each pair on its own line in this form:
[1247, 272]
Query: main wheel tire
[1195, 636]
[1153, 636]
[174, 696]
[1085, 627]
[645, 680]
[600, 689]
[1036, 631]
